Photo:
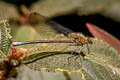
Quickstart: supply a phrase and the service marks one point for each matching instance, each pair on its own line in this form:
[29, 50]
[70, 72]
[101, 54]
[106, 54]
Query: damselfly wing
[36, 19]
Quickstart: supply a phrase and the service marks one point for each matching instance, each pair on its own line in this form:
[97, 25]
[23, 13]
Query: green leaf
[54, 7]
[101, 64]
[5, 37]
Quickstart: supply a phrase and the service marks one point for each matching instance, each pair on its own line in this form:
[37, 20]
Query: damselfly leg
[80, 48]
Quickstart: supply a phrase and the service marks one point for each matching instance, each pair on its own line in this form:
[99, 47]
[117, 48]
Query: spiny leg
[88, 48]
[72, 54]
[81, 51]
[78, 48]
[87, 45]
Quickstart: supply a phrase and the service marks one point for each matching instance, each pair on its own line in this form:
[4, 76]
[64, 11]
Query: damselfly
[36, 19]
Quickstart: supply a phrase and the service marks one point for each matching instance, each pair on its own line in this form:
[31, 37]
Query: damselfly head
[89, 41]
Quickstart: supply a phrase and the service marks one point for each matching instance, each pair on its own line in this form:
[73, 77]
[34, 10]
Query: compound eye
[90, 42]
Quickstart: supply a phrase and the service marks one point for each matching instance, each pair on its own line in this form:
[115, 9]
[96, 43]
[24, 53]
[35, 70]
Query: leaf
[5, 37]
[102, 62]
[8, 11]
[103, 35]
[52, 8]
[25, 74]
[112, 11]
[52, 57]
